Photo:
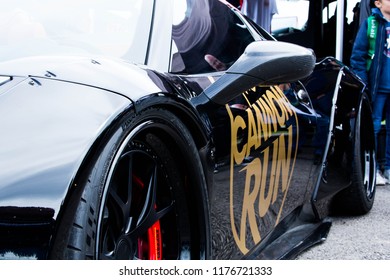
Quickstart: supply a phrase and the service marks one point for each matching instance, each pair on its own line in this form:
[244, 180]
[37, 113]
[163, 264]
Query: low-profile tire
[359, 197]
[145, 197]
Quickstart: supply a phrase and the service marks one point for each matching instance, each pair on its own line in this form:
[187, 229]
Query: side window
[207, 36]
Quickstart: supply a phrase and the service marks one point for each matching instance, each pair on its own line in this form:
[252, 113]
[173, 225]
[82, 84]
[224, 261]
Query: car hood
[110, 74]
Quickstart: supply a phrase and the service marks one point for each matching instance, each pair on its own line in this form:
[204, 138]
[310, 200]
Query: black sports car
[178, 129]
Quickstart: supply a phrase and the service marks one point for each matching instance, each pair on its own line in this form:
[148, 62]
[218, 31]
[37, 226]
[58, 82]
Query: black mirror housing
[262, 63]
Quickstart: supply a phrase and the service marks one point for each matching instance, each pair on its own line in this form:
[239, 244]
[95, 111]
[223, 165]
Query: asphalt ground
[358, 238]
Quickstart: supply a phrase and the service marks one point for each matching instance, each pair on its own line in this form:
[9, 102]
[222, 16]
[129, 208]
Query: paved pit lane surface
[358, 238]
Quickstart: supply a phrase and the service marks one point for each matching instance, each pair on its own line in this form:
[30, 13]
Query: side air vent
[4, 80]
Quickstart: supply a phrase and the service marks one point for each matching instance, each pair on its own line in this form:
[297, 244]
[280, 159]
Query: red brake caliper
[152, 247]
[154, 239]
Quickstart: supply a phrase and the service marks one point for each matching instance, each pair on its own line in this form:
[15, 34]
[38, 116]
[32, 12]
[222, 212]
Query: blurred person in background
[371, 61]
[260, 11]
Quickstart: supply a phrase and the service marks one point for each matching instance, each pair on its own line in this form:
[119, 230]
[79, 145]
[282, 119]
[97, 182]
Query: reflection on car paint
[269, 153]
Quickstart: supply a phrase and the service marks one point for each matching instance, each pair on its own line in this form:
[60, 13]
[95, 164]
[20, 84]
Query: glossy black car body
[168, 158]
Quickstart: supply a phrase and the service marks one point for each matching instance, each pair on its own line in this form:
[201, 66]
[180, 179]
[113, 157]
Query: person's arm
[365, 11]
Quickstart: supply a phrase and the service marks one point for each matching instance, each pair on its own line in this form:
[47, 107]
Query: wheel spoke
[138, 208]
[109, 241]
[121, 202]
[120, 206]
[367, 173]
[366, 167]
[149, 221]
[149, 216]
[128, 176]
[150, 199]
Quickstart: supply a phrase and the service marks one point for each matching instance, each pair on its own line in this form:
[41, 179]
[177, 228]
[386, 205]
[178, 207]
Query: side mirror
[262, 63]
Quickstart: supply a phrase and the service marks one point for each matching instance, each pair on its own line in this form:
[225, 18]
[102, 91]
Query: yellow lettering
[270, 118]
[264, 200]
[268, 175]
[237, 123]
[253, 135]
[248, 210]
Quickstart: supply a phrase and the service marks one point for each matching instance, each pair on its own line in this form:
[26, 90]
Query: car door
[263, 152]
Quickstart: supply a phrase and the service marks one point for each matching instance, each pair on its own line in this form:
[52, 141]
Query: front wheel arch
[161, 139]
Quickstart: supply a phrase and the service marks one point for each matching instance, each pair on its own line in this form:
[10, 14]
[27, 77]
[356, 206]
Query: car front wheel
[145, 197]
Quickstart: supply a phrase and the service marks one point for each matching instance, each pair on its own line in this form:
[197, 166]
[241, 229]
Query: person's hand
[215, 63]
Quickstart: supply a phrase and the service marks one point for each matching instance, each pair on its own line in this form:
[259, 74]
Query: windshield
[74, 27]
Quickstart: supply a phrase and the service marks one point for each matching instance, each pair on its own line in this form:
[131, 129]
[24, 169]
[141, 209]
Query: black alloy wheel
[358, 198]
[145, 197]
